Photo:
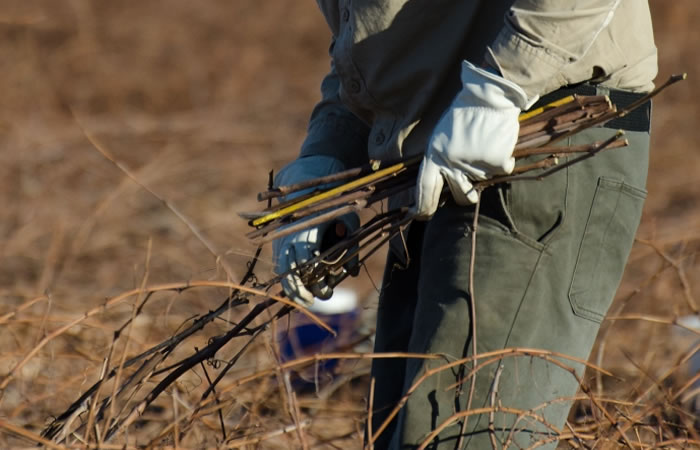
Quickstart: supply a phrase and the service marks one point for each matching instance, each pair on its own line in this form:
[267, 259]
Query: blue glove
[473, 140]
[292, 251]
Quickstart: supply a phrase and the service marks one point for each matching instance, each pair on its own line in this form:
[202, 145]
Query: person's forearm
[334, 130]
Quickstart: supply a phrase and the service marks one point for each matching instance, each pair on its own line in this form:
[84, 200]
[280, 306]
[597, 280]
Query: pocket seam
[506, 200]
[611, 186]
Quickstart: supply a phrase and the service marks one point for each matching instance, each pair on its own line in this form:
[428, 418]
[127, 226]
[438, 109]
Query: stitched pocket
[605, 247]
[536, 210]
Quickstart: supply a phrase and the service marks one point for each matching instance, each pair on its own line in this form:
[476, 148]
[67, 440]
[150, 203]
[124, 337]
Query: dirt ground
[198, 101]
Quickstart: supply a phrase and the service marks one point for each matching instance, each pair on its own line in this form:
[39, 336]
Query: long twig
[472, 307]
[370, 410]
[216, 398]
[4, 318]
[179, 214]
[493, 395]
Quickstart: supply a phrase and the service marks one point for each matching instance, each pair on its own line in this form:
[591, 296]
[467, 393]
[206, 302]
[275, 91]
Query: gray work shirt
[395, 64]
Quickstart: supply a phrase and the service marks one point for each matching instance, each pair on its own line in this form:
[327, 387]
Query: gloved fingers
[428, 190]
[508, 165]
[293, 251]
[291, 283]
[462, 189]
[296, 291]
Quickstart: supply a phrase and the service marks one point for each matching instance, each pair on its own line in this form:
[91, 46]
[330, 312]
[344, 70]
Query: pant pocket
[607, 241]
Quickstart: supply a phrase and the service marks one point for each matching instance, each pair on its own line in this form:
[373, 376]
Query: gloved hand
[292, 251]
[473, 140]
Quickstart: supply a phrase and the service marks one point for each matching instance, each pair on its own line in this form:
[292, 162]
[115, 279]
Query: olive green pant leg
[395, 315]
[549, 257]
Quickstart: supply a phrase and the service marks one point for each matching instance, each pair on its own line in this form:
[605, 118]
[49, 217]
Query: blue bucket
[305, 338]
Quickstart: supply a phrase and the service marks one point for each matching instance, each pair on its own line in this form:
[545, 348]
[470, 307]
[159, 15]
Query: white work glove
[473, 140]
[292, 251]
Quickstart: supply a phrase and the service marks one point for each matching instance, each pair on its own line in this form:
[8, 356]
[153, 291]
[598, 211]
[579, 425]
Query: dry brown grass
[199, 100]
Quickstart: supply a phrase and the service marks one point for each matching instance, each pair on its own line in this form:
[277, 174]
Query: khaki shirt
[395, 64]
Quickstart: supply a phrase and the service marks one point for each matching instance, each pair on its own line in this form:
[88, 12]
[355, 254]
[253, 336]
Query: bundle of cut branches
[327, 198]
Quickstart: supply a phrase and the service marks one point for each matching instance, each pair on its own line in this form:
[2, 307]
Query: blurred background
[200, 100]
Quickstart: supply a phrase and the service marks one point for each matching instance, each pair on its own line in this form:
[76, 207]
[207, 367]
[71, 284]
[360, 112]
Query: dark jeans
[549, 258]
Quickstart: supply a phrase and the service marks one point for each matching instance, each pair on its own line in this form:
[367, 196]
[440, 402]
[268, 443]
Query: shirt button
[345, 15]
[354, 87]
[379, 138]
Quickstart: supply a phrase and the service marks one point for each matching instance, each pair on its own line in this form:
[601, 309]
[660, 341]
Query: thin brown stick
[370, 407]
[95, 400]
[23, 432]
[176, 419]
[553, 150]
[485, 410]
[22, 307]
[216, 398]
[542, 164]
[287, 394]
[687, 292]
[472, 309]
[97, 145]
[240, 443]
[494, 393]
[294, 410]
[655, 319]
[683, 389]
[561, 437]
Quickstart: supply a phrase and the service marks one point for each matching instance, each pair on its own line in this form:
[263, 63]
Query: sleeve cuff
[338, 136]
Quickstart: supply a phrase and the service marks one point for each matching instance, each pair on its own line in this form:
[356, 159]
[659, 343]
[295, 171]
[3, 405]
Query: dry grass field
[194, 102]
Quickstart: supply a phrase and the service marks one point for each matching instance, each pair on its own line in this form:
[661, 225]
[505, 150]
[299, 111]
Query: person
[448, 79]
